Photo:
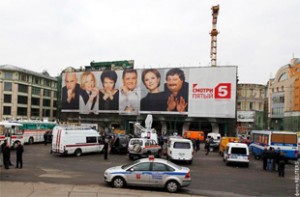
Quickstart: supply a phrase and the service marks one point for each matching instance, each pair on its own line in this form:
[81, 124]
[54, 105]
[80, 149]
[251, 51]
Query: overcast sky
[258, 36]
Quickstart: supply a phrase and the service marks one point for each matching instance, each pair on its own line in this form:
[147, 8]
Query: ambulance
[77, 140]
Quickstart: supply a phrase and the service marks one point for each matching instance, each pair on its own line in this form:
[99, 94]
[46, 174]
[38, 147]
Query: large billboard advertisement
[196, 92]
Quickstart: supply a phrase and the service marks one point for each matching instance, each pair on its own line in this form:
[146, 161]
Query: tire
[130, 156]
[31, 140]
[172, 186]
[190, 162]
[118, 182]
[78, 153]
[137, 148]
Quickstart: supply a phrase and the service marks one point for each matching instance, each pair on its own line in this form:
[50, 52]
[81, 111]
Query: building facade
[251, 108]
[27, 95]
[284, 98]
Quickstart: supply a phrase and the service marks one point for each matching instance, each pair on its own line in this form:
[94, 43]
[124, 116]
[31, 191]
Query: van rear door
[182, 150]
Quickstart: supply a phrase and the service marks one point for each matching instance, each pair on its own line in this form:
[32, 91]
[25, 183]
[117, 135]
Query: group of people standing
[5, 150]
[274, 160]
[88, 98]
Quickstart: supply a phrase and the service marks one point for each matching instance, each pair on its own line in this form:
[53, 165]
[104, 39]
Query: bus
[12, 132]
[285, 140]
[34, 130]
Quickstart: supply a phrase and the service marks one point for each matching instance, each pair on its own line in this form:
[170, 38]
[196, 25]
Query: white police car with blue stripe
[149, 172]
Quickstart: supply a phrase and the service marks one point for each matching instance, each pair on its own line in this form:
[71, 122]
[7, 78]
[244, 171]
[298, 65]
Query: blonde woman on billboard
[89, 96]
[108, 95]
[154, 100]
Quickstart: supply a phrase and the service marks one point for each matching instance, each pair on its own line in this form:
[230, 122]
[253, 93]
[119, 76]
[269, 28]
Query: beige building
[250, 107]
[26, 94]
[284, 98]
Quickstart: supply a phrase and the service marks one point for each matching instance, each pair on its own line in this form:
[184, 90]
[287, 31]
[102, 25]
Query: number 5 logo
[223, 91]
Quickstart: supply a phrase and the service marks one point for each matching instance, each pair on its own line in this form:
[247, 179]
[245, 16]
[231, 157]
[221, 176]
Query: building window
[36, 80]
[35, 112]
[7, 98]
[8, 75]
[6, 110]
[36, 91]
[23, 100]
[35, 101]
[23, 88]
[47, 92]
[239, 105]
[46, 102]
[251, 105]
[47, 83]
[54, 103]
[55, 94]
[7, 86]
[46, 112]
[22, 111]
[23, 77]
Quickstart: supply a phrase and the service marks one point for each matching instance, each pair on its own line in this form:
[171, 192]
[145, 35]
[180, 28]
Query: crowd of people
[274, 160]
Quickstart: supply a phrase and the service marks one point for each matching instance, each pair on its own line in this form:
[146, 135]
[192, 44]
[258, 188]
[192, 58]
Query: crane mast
[214, 32]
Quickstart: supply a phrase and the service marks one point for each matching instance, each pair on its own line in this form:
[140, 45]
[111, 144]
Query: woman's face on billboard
[151, 81]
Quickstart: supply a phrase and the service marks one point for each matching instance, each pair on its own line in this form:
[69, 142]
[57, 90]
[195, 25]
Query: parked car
[149, 172]
[143, 147]
[120, 144]
[236, 153]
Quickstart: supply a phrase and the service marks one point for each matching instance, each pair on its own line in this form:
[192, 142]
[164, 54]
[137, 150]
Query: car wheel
[130, 156]
[118, 182]
[172, 186]
[78, 153]
[246, 165]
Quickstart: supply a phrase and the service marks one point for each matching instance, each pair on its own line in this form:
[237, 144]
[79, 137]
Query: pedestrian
[264, 157]
[2, 152]
[6, 156]
[270, 159]
[45, 138]
[207, 146]
[105, 148]
[276, 161]
[281, 164]
[19, 154]
[197, 144]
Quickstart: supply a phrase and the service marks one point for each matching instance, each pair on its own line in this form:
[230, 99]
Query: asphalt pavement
[41, 189]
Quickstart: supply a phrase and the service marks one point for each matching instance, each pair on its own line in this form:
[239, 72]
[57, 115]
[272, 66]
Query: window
[46, 112]
[22, 111]
[46, 102]
[47, 93]
[236, 150]
[23, 88]
[91, 139]
[251, 105]
[35, 80]
[182, 145]
[23, 77]
[6, 110]
[142, 167]
[54, 103]
[35, 101]
[7, 98]
[161, 167]
[36, 91]
[8, 75]
[22, 99]
[35, 112]
[239, 105]
[7, 86]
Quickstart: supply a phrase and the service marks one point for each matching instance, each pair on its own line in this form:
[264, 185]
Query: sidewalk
[40, 189]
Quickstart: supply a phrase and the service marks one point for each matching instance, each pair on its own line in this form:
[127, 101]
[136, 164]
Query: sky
[50, 35]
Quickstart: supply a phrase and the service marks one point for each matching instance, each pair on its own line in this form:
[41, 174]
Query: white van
[180, 149]
[215, 139]
[236, 153]
[76, 140]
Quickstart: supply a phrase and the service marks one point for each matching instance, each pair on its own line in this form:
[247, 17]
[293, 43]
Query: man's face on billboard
[71, 81]
[174, 83]
[130, 80]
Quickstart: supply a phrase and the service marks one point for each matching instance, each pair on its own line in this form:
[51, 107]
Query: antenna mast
[214, 32]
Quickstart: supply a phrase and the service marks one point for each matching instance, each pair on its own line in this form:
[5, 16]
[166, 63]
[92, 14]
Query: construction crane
[214, 32]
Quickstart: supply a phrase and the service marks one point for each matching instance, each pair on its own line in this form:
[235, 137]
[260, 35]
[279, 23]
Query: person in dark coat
[19, 154]
[264, 158]
[207, 146]
[6, 155]
[197, 144]
[281, 164]
[105, 148]
[2, 150]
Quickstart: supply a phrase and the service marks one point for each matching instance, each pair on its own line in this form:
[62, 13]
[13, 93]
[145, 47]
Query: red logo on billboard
[223, 91]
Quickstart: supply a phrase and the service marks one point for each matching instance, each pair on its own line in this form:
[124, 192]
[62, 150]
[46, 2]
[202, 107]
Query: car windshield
[130, 164]
[133, 142]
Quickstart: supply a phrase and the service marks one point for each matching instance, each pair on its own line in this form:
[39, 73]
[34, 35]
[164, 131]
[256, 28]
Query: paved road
[210, 176]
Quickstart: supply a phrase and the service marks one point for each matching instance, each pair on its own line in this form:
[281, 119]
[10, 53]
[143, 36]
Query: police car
[149, 172]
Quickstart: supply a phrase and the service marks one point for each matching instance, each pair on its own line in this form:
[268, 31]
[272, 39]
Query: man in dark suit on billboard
[176, 90]
[71, 92]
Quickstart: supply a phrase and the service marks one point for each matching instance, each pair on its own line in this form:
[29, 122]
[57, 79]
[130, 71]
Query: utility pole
[214, 32]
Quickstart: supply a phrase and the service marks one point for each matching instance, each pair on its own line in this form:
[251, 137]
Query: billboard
[195, 92]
